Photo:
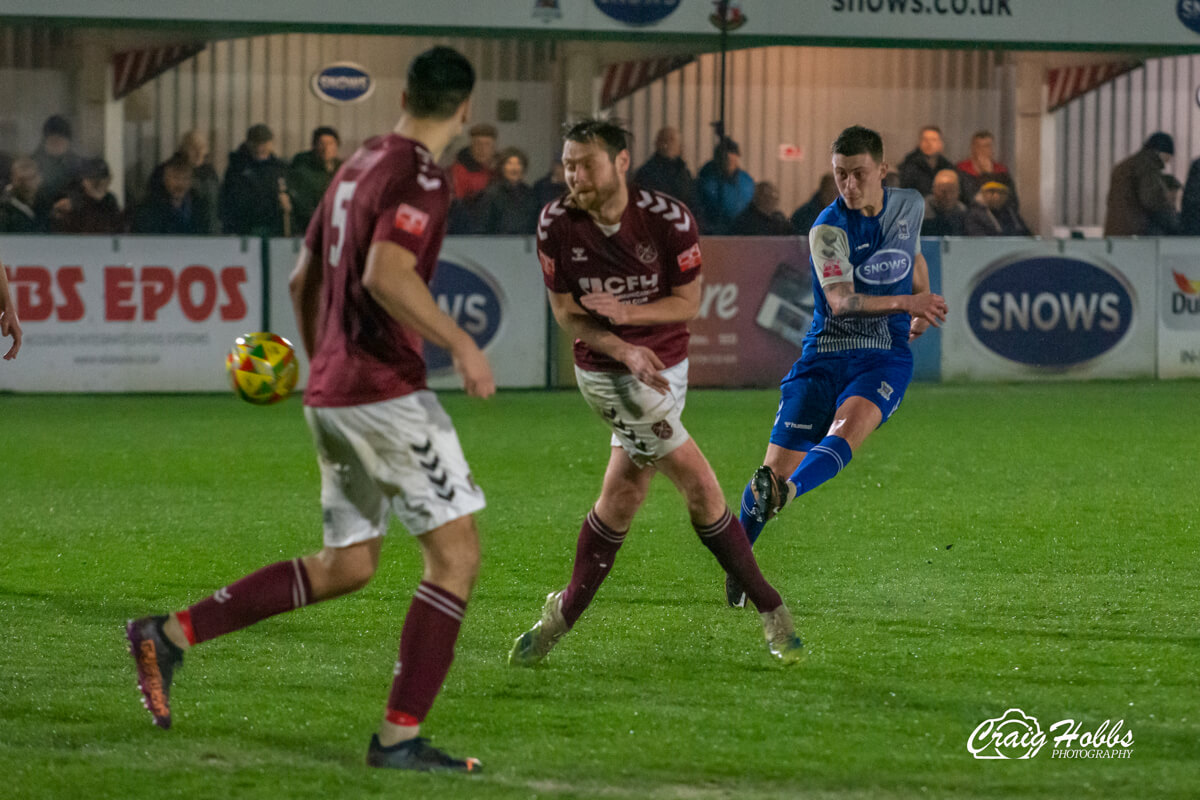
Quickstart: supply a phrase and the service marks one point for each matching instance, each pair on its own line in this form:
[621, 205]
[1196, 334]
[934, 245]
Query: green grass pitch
[1029, 546]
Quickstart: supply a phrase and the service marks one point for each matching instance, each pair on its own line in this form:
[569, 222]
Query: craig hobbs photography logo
[1017, 735]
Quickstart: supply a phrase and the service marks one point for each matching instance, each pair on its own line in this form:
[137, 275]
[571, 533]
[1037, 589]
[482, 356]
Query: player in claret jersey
[384, 444]
[622, 268]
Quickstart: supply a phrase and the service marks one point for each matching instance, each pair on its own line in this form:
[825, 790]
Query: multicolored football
[262, 368]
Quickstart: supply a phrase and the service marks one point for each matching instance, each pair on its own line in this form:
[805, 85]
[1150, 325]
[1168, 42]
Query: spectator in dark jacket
[982, 167]
[666, 171]
[1138, 204]
[310, 174]
[474, 168]
[993, 215]
[206, 185]
[918, 167]
[804, 216]
[762, 217]
[552, 185]
[174, 210]
[945, 213]
[254, 196]
[511, 204]
[1189, 211]
[17, 213]
[89, 207]
[723, 189]
[58, 163]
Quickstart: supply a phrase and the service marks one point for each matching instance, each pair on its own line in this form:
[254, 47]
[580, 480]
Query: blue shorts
[811, 393]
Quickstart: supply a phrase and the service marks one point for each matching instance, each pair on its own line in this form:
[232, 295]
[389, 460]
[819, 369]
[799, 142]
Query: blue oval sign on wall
[1050, 311]
[638, 12]
[342, 83]
[1189, 13]
[464, 291]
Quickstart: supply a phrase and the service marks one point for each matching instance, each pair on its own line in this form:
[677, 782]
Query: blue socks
[822, 462]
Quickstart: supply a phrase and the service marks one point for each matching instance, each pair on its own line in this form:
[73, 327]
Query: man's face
[733, 162]
[26, 180]
[326, 147]
[96, 188]
[981, 148]
[593, 177]
[178, 183]
[766, 198]
[995, 198]
[669, 144]
[512, 169]
[859, 180]
[483, 149]
[56, 145]
[263, 150]
[945, 191]
[195, 149]
[931, 143]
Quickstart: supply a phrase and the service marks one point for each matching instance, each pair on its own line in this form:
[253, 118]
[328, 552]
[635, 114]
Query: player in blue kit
[871, 296]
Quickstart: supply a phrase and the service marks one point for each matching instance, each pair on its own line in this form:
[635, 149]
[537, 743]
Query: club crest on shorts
[662, 429]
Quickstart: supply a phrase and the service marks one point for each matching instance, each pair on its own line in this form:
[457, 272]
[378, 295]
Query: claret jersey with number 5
[390, 190]
[877, 255]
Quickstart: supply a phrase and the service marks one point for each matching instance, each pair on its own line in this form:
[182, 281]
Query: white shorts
[644, 423]
[400, 454]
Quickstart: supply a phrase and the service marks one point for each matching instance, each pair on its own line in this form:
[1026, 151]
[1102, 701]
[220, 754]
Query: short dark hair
[608, 133]
[324, 130]
[513, 152]
[983, 134]
[439, 81]
[178, 163]
[933, 128]
[56, 125]
[856, 140]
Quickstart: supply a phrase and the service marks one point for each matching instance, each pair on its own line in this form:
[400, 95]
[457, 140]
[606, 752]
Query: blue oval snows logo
[1050, 311]
[1188, 12]
[886, 266]
[638, 12]
[467, 293]
[343, 83]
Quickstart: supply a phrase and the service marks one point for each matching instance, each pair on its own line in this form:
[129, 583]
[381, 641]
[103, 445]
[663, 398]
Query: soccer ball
[262, 368]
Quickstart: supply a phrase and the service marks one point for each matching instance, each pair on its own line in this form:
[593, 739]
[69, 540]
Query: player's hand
[472, 365]
[930, 307]
[645, 366]
[606, 305]
[918, 327]
[61, 208]
[9, 326]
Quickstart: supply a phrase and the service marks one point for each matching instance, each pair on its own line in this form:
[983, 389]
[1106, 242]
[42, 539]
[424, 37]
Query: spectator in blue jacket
[724, 189]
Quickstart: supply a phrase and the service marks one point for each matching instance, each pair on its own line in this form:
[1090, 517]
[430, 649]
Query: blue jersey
[878, 254]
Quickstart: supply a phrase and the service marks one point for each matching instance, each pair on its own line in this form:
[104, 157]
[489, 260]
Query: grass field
[992, 547]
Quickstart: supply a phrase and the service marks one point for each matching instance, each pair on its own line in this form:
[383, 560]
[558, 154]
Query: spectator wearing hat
[473, 169]
[991, 214]
[57, 162]
[175, 210]
[512, 207]
[254, 196]
[918, 167]
[17, 214]
[206, 184]
[89, 206]
[1138, 203]
[723, 188]
[310, 174]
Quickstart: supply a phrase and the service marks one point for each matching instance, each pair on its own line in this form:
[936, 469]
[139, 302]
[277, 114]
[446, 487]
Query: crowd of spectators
[57, 190]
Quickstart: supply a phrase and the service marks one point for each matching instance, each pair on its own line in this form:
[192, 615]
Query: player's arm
[579, 324]
[304, 285]
[682, 305]
[391, 279]
[920, 285]
[9, 324]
